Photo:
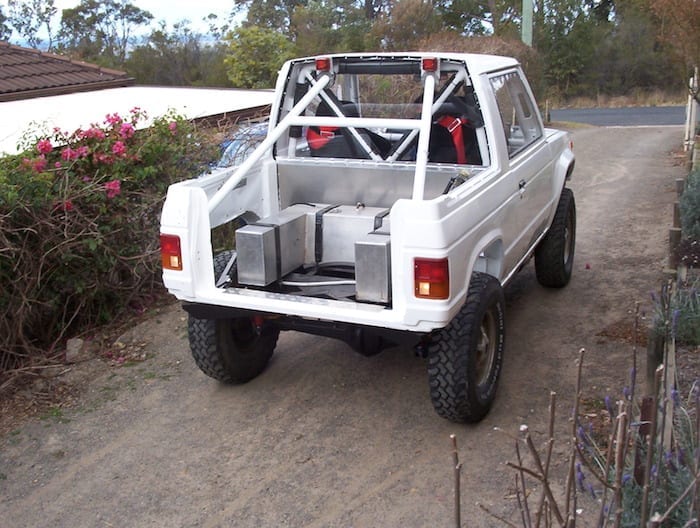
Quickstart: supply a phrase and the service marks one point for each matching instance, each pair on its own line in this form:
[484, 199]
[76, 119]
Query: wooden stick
[458, 491]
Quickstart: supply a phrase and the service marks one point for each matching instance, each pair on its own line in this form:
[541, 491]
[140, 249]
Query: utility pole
[527, 22]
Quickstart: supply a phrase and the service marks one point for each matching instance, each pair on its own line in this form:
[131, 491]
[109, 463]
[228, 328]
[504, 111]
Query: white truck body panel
[490, 219]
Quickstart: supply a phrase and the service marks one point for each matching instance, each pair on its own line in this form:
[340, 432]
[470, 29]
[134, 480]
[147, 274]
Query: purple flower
[608, 406]
[674, 322]
[580, 477]
[676, 398]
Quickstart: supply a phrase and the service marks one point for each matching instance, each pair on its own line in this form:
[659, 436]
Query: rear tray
[315, 235]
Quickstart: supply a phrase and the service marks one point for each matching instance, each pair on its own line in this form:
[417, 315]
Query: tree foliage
[398, 30]
[324, 26]
[678, 23]
[583, 47]
[177, 58]
[255, 56]
[101, 30]
[30, 17]
[5, 29]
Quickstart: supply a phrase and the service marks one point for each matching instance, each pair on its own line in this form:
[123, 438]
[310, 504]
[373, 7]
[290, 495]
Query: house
[40, 91]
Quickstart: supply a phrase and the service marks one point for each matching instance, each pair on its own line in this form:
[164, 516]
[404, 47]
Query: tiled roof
[27, 73]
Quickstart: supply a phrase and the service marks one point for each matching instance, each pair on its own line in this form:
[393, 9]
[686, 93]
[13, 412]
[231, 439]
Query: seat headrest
[348, 108]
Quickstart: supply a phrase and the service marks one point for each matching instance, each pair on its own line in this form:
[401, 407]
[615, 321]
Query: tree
[475, 17]
[399, 31]
[270, 14]
[101, 30]
[5, 29]
[677, 28]
[28, 18]
[325, 26]
[255, 54]
[177, 58]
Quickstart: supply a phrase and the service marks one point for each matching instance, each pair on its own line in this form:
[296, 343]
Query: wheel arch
[487, 257]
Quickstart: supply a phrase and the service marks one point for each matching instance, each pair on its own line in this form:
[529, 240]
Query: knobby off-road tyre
[554, 256]
[230, 350]
[465, 358]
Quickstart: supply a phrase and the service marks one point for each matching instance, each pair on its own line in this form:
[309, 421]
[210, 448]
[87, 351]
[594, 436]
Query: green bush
[690, 206]
[79, 221]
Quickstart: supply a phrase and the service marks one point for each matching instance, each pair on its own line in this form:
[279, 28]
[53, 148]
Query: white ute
[392, 199]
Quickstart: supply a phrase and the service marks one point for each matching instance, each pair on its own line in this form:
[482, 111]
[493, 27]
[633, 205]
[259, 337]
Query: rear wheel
[232, 350]
[465, 358]
[554, 256]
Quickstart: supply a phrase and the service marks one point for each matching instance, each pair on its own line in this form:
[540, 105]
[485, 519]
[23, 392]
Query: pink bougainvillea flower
[101, 157]
[68, 154]
[82, 151]
[92, 133]
[126, 131]
[113, 119]
[44, 146]
[40, 164]
[173, 127]
[87, 179]
[57, 165]
[119, 148]
[113, 188]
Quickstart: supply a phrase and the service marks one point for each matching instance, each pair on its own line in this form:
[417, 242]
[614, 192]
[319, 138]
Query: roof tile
[27, 73]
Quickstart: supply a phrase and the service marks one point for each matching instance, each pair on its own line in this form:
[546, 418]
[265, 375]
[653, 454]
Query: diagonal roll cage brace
[317, 88]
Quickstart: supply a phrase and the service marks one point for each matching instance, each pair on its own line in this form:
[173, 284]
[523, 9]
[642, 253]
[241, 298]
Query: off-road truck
[392, 199]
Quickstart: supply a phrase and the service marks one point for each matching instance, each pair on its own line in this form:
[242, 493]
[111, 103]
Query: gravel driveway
[326, 437]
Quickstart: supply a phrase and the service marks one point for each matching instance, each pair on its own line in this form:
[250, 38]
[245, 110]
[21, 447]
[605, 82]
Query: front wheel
[465, 358]
[554, 256]
[231, 350]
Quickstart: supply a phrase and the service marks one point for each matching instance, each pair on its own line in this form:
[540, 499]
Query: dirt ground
[328, 438]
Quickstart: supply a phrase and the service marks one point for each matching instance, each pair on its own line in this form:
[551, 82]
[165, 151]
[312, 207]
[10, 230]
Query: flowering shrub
[79, 218]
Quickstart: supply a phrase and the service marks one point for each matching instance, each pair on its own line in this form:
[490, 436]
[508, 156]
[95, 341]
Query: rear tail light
[431, 278]
[430, 64]
[170, 252]
[323, 64]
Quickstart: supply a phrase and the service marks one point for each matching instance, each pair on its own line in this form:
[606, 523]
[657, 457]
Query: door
[530, 167]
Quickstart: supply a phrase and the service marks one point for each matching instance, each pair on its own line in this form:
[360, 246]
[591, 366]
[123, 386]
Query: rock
[75, 348]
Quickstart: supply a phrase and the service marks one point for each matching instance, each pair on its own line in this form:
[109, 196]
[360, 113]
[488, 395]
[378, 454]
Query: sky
[171, 11]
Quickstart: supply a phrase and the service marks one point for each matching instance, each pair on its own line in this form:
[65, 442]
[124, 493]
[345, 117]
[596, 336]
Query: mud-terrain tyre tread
[553, 265]
[222, 351]
[455, 391]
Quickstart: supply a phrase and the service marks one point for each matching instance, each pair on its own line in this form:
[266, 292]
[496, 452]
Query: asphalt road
[639, 116]
[328, 438]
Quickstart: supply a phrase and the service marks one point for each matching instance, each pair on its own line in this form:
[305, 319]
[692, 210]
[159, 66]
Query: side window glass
[518, 114]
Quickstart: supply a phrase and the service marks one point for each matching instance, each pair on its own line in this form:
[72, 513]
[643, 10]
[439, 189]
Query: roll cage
[317, 81]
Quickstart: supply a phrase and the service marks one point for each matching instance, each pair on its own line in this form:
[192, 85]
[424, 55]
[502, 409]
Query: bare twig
[497, 517]
[570, 480]
[524, 509]
[550, 445]
[651, 441]
[457, 470]
[544, 476]
[522, 499]
[620, 442]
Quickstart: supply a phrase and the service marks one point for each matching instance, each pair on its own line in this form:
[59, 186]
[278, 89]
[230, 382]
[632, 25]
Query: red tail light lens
[170, 252]
[323, 64]
[430, 64]
[431, 278]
